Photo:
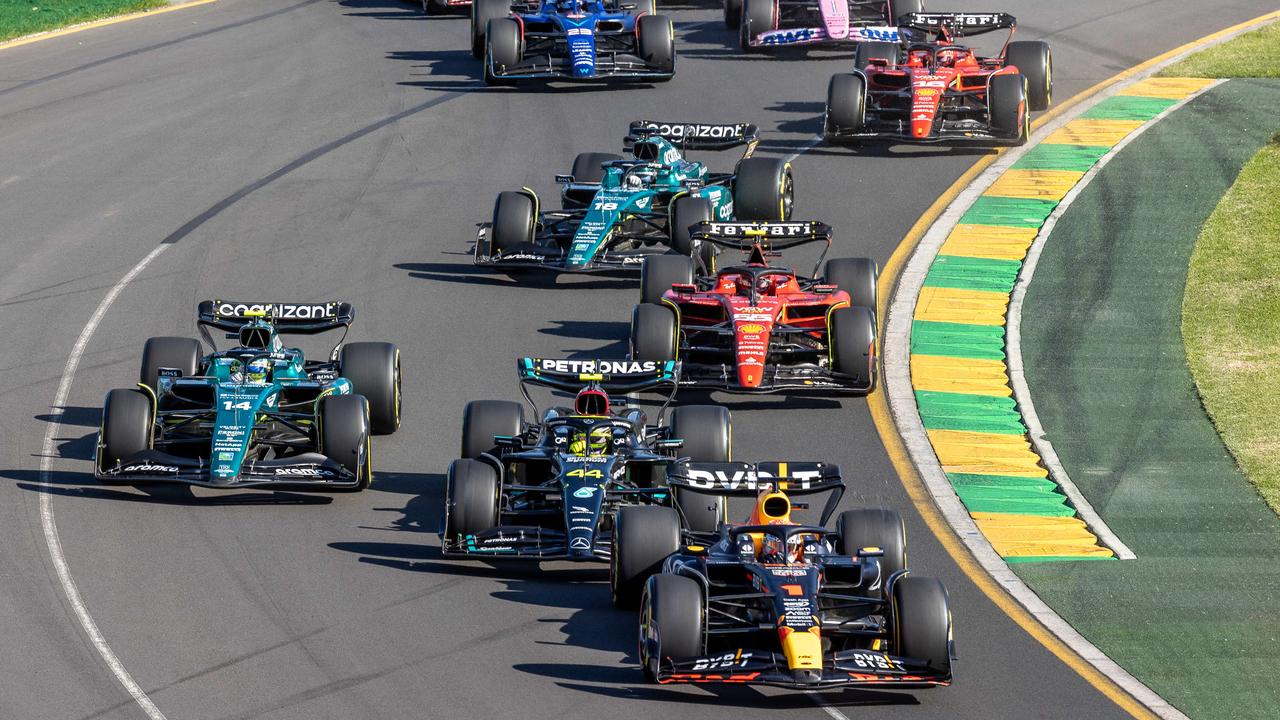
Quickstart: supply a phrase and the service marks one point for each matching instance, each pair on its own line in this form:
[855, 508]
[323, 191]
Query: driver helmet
[591, 400]
[256, 334]
[258, 370]
[591, 442]
[949, 57]
[774, 550]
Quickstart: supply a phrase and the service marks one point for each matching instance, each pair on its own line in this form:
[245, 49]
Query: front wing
[847, 668]
[307, 471]
[527, 543]
[801, 378]
[614, 66]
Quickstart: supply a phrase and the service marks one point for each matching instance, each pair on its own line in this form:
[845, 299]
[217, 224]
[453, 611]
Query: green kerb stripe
[1056, 558]
[972, 413]
[1044, 505]
[1126, 107]
[1009, 482]
[969, 273]
[1061, 157]
[981, 342]
[1009, 212]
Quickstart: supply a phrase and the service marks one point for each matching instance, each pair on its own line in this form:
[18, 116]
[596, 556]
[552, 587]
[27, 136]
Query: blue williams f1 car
[256, 414]
[580, 40]
[618, 211]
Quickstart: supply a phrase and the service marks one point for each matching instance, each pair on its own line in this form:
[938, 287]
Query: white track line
[47, 523]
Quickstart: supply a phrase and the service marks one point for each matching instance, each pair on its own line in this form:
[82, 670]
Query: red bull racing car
[925, 87]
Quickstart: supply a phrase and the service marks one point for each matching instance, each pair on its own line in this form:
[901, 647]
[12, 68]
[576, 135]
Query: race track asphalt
[312, 150]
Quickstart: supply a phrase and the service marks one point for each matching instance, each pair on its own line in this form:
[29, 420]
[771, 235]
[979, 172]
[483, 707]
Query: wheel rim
[787, 195]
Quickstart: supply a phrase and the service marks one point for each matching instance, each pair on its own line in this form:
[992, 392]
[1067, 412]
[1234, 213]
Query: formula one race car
[617, 212]
[766, 24]
[578, 40]
[755, 328]
[939, 91]
[775, 602]
[549, 490]
[256, 414]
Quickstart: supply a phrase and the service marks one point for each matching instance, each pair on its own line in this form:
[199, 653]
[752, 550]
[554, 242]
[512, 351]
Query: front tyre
[672, 621]
[503, 49]
[126, 427]
[1007, 104]
[513, 222]
[853, 346]
[846, 105]
[758, 16]
[374, 371]
[763, 190]
[653, 333]
[344, 435]
[657, 44]
[922, 622]
[470, 498]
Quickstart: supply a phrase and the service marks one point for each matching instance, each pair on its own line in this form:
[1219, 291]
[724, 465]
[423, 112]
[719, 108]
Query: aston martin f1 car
[768, 24]
[776, 602]
[255, 414]
[580, 40]
[757, 328]
[548, 490]
[935, 90]
[619, 211]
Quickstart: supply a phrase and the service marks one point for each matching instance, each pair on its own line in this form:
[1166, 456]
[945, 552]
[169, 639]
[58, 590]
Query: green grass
[1231, 320]
[24, 17]
[1254, 54]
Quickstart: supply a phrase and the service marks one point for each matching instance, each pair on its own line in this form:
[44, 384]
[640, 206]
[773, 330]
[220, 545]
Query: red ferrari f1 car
[756, 328]
[937, 90]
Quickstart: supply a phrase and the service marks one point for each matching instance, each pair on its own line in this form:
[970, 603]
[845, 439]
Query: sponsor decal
[926, 92]
[784, 571]
[303, 472]
[579, 543]
[750, 328]
[610, 367]
[874, 661]
[523, 256]
[289, 311]
[580, 521]
[584, 492]
[632, 259]
[643, 202]
[753, 317]
[149, 467]
[723, 662]
[792, 37]
[226, 456]
[747, 479]
[884, 34]
[581, 510]
[695, 130]
[779, 229]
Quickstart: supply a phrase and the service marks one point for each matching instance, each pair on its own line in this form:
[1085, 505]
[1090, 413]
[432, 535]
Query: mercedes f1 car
[757, 328]
[768, 24]
[548, 490]
[940, 91]
[619, 211]
[255, 414]
[776, 602]
[580, 40]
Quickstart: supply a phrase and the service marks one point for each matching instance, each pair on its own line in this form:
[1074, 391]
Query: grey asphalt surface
[314, 150]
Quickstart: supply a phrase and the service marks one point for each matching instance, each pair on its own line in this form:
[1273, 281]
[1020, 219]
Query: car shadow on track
[82, 485]
[713, 41]
[469, 274]
[384, 9]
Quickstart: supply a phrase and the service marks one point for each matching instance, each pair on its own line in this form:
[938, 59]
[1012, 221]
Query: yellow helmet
[595, 442]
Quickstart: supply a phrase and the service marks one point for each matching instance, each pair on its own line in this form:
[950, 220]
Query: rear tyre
[659, 272]
[126, 427]
[470, 499]
[686, 212]
[483, 419]
[1007, 101]
[502, 43]
[513, 220]
[757, 16]
[856, 276]
[657, 44]
[344, 435]
[168, 352]
[643, 536]
[865, 52]
[763, 190]
[922, 621]
[853, 345]
[846, 104]
[588, 167]
[374, 371]
[672, 615]
[482, 11]
[653, 333]
[732, 13]
[644, 7]
[1035, 61]
[874, 527]
[707, 432]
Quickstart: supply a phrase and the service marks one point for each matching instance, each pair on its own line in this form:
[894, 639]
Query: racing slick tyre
[659, 272]
[707, 432]
[874, 527]
[656, 44]
[672, 614]
[757, 16]
[470, 499]
[1035, 61]
[588, 167]
[846, 105]
[898, 8]
[732, 13]
[502, 43]
[643, 536]
[168, 352]
[126, 427]
[856, 276]
[483, 419]
[853, 345]
[482, 11]
[865, 52]
[763, 190]
[922, 621]
[374, 371]
[686, 212]
[1007, 103]
[344, 435]
[513, 220]
[653, 332]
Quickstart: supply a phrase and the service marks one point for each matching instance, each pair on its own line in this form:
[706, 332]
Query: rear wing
[294, 318]
[619, 376]
[958, 24]
[764, 237]
[740, 479]
[698, 136]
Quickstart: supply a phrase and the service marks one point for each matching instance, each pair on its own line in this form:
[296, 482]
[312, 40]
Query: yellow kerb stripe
[1171, 88]
[960, 451]
[989, 241]
[974, 307]
[1035, 184]
[937, 373]
[1093, 132]
[1032, 535]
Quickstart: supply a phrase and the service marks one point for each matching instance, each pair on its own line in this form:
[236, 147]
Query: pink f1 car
[766, 24]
